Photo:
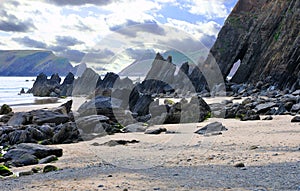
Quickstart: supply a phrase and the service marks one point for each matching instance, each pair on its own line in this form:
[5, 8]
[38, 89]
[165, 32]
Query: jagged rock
[66, 133]
[22, 91]
[102, 106]
[19, 136]
[108, 81]
[87, 83]
[264, 36]
[92, 123]
[43, 86]
[141, 107]
[42, 117]
[211, 128]
[17, 119]
[66, 87]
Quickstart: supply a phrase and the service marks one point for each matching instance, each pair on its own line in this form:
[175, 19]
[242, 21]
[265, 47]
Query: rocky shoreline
[117, 105]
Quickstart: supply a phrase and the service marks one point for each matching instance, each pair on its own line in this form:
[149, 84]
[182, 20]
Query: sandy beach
[181, 160]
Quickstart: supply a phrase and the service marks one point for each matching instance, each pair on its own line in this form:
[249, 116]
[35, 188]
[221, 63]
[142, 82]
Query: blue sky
[77, 28]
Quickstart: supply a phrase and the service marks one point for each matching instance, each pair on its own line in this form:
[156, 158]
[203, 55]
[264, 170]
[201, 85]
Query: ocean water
[10, 87]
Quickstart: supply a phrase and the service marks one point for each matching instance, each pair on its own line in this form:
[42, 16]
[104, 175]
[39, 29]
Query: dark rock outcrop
[28, 154]
[46, 87]
[44, 126]
[264, 36]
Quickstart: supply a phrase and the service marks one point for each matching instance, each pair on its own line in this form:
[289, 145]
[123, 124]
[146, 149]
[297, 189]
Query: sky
[100, 31]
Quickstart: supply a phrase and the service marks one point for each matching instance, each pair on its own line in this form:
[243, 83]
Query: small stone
[48, 159]
[268, 118]
[156, 188]
[36, 169]
[239, 165]
[296, 119]
[275, 154]
[109, 175]
[253, 147]
[100, 186]
[26, 173]
[49, 168]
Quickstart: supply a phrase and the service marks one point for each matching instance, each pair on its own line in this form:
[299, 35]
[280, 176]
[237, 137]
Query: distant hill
[32, 63]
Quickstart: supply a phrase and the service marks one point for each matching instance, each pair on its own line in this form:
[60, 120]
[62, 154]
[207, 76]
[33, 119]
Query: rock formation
[264, 36]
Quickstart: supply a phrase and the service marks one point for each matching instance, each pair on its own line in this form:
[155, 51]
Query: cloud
[208, 8]
[26, 41]
[73, 55]
[98, 56]
[10, 23]
[67, 41]
[131, 28]
[80, 2]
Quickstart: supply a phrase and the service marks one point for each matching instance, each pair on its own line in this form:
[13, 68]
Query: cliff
[32, 63]
[264, 36]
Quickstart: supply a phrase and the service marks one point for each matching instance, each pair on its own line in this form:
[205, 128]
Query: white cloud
[197, 30]
[208, 8]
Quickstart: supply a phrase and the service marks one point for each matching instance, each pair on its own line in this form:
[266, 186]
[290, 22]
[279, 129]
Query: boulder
[66, 87]
[212, 128]
[48, 159]
[296, 119]
[5, 109]
[40, 151]
[43, 86]
[263, 108]
[42, 116]
[66, 133]
[102, 106]
[17, 119]
[137, 127]
[295, 108]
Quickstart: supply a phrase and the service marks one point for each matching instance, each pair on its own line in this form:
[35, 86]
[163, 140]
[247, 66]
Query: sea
[10, 88]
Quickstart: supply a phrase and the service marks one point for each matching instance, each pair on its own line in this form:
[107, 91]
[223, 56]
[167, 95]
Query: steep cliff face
[264, 36]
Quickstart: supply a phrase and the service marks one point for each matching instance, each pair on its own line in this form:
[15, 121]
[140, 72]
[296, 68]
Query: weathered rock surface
[44, 126]
[264, 36]
[28, 154]
[212, 128]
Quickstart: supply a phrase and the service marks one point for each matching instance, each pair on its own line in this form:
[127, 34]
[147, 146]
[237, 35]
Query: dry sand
[180, 161]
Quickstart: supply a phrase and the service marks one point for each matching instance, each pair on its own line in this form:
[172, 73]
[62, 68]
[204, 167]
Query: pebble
[100, 186]
[239, 165]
